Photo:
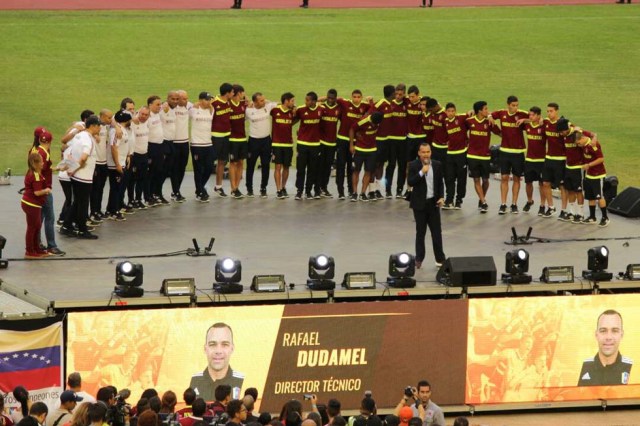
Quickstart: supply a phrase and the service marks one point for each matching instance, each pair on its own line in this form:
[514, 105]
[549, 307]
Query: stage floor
[273, 236]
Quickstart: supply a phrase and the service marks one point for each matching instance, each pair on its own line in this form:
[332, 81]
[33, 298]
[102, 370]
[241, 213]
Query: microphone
[426, 162]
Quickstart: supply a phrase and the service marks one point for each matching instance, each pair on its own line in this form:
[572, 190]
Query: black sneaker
[250, 193]
[562, 216]
[514, 209]
[372, 196]
[317, 195]
[140, 205]
[87, 236]
[91, 222]
[388, 194]
[95, 218]
[128, 209]
[263, 193]
[341, 196]
[102, 215]
[577, 219]
[399, 195]
[220, 192]
[541, 211]
[173, 196]
[119, 217]
[153, 202]
[285, 193]
[589, 221]
[60, 222]
[458, 205]
[479, 205]
[447, 206]
[203, 198]
[569, 217]
[237, 194]
[326, 194]
[550, 212]
[280, 195]
[163, 201]
[354, 197]
[180, 198]
[364, 198]
[298, 196]
[379, 195]
[55, 251]
[69, 232]
[484, 208]
[308, 195]
[502, 209]
[604, 222]
[527, 207]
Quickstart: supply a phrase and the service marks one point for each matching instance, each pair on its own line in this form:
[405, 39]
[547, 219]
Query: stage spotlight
[516, 267]
[129, 279]
[402, 267]
[322, 269]
[268, 283]
[4, 263]
[228, 276]
[633, 272]
[598, 262]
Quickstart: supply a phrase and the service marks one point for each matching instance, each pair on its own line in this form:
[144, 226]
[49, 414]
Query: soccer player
[397, 142]
[33, 198]
[118, 161]
[282, 120]
[156, 151]
[554, 162]
[237, 4]
[382, 138]
[424, 3]
[351, 111]
[308, 147]
[140, 158]
[415, 123]
[180, 145]
[456, 178]
[478, 154]
[168, 117]
[328, 134]
[439, 141]
[202, 155]
[512, 151]
[238, 139]
[101, 171]
[534, 159]
[220, 132]
[426, 121]
[595, 173]
[259, 117]
[363, 146]
[573, 170]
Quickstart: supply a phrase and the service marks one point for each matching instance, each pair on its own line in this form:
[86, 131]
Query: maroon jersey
[384, 129]
[399, 126]
[456, 133]
[555, 144]
[46, 173]
[309, 130]
[573, 151]
[512, 137]
[536, 142]
[350, 113]
[221, 123]
[480, 138]
[414, 120]
[427, 126]
[366, 132]
[237, 117]
[592, 151]
[281, 126]
[33, 182]
[329, 124]
[439, 130]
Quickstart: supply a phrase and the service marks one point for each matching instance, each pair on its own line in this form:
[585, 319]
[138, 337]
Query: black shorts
[479, 168]
[238, 151]
[221, 147]
[413, 145]
[366, 158]
[592, 188]
[282, 155]
[439, 154]
[533, 171]
[553, 171]
[511, 163]
[573, 180]
[382, 151]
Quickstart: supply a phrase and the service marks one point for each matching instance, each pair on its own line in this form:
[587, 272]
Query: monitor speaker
[467, 271]
[626, 203]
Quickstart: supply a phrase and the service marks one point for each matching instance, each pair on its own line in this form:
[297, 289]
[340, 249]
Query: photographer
[419, 399]
[115, 404]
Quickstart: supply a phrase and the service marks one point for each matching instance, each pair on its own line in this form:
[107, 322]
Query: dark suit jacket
[419, 183]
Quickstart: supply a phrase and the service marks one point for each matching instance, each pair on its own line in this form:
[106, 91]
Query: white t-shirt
[156, 134]
[168, 124]
[84, 143]
[123, 147]
[260, 120]
[182, 123]
[101, 144]
[140, 134]
[200, 126]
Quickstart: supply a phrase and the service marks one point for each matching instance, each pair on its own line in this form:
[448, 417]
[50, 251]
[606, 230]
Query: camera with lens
[307, 396]
[408, 392]
[118, 412]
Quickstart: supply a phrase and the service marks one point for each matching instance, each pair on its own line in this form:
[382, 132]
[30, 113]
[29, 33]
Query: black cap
[562, 125]
[122, 116]
[92, 120]
[205, 95]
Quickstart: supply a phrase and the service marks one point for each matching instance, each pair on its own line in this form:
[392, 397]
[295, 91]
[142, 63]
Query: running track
[263, 4]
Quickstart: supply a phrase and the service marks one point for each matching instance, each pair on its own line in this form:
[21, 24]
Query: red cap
[406, 413]
[39, 131]
[45, 136]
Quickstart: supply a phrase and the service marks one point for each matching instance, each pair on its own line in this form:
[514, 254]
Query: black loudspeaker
[467, 271]
[626, 203]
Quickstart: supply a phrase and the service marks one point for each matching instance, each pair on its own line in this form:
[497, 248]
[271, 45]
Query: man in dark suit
[425, 176]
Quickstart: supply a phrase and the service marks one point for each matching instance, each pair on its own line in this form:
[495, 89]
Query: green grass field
[585, 58]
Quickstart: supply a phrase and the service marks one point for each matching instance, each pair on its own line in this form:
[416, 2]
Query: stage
[271, 236]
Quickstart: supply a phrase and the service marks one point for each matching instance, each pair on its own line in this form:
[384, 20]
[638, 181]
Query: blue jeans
[48, 219]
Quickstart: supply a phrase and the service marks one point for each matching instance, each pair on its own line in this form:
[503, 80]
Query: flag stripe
[32, 379]
[30, 359]
[11, 341]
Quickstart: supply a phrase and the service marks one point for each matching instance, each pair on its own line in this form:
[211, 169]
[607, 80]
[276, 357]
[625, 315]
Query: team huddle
[137, 150]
